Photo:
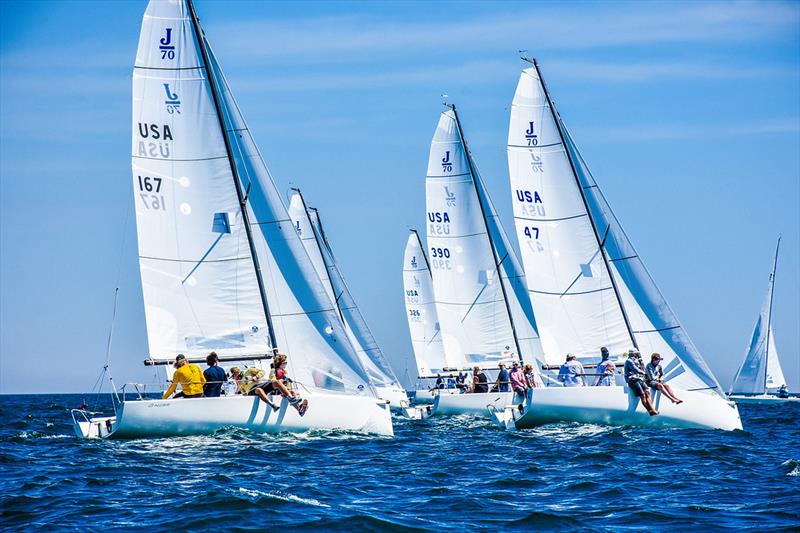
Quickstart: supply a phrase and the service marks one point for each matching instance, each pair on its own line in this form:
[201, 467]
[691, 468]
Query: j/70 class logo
[447, 165]
[172, 102]
[532, 138]
[165, 45]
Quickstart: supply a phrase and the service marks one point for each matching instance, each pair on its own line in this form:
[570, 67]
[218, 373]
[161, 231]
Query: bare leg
[648, 403]
[263, 396]
[666, 389]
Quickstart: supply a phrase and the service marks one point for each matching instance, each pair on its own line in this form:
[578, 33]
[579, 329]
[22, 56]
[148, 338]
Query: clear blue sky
[688, 114]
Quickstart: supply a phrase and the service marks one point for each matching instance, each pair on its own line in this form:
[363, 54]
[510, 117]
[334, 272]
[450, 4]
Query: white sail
[513, 276]
[308, 226]
[475, 322]
[202, 211]
[761, 369]
[423, 322]
[198, 279]
[562, 218]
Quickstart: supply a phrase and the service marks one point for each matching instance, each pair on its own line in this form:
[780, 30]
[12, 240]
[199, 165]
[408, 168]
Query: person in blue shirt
[215, 376]
[503, 379]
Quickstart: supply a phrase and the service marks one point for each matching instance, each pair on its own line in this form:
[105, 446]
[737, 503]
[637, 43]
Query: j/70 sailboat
[760, 378]
[480, 294]
[589, 287]
[222, 267]
[309, 227]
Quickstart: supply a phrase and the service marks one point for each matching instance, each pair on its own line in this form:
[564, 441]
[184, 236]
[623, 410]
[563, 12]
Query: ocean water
[447, 473]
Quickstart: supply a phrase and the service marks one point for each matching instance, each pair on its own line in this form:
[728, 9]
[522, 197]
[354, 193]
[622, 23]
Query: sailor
[480, 383]
[189, 377]
[571, 372]
[439, 382]
[232, 385]
[503, 381]
[654, 377]
[783, 392]
[518, 383]
[530, 376]
[605, 369]
[277, 382]
[634, 376]
[215, 376]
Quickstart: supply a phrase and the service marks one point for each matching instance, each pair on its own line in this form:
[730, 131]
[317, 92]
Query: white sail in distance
[476, 323]
[588, 285]
[201, 279]
[423, 322]
[761, 369]
[309, 227]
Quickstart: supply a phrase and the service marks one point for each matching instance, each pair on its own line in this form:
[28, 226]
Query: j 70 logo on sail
[166, 46]
[447, 165]
[172, 102]
[533, 139]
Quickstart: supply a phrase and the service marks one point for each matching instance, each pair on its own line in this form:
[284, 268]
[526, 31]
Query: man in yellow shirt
[190, 378]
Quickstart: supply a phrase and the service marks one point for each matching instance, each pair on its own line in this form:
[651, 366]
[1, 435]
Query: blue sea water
[447, 473]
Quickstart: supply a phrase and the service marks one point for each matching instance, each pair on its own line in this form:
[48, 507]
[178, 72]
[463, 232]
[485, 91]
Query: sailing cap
[180, 357]
[657, 356]
[603, 350]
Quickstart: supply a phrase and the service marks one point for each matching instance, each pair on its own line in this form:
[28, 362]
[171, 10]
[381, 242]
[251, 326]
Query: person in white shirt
[571, 372]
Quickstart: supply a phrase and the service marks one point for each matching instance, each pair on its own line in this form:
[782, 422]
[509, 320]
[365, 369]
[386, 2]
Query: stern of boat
[88, 427]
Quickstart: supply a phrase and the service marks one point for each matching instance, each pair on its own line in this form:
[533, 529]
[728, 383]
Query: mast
[488, 233]
[319, 247]
[557, 120]
[237, 182]
[769, 312]
[424, 255]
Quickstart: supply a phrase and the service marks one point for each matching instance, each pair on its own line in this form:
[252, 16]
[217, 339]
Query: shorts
[267, 387]
[638, 387]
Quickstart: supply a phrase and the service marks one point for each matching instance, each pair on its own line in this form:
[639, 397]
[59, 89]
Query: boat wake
[257, 495]
[792, 467]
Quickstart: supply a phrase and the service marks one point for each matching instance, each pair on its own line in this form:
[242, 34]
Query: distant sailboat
[423, 321]
[309, 227]
[222, 267]
[484, 312]
[589, 287]
[760, 378]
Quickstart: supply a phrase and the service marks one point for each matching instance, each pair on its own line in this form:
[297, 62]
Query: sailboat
[761, 377]
[222, 267]
[589, 287]
[307, 222]
[423, 321]
[480, 294]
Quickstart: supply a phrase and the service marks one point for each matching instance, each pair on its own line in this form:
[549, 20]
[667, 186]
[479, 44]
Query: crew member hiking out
[277, 382]
[634, 376]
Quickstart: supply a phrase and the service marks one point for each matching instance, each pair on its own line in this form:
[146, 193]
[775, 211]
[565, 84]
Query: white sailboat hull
[762, 398]
[619, 406]
[477, 404]
[203, 416]
[426, 396]
[397, 397]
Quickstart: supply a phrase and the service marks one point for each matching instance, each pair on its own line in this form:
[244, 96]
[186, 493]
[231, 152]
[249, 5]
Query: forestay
[761, 369]
[308, 225]
[572, 245]
[475, 323]
[197, 164]
[423, 322]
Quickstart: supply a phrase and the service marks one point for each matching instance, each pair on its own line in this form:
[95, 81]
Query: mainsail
[587, 284]
[222, 267]
[477, 322]
[423, 322]
[308, 225]
[761, 369]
